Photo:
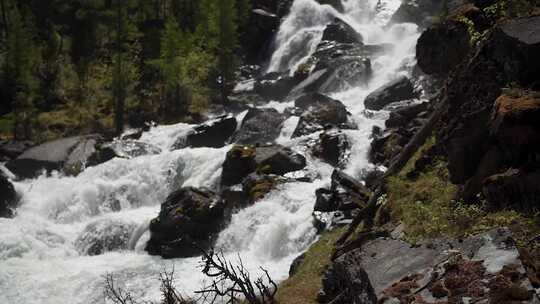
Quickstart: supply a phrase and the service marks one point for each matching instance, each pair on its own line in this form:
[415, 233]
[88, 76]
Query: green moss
[303, 286]
[262, 188]
[427, 207]
[6, 125]
[243, 151]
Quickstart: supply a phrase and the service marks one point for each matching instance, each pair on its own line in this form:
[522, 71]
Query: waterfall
[43, 250]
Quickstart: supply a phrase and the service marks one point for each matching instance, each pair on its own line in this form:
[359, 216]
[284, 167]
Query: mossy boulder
[242, 160]
[189, 220]
[256, 186]
[239, 163]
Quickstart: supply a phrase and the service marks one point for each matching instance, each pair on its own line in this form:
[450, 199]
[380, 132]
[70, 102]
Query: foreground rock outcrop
[484, 269]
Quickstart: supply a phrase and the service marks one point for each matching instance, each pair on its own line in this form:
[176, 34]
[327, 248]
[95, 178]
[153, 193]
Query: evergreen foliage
[100, 63]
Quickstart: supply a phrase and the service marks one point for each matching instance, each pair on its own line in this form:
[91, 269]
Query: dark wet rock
[333, 147]
[396, 90]
[214, 134]
[71, 153]
[189, 219]
[12, 149]
[8, 197]
[239, 163]
[104, 236]
[296, 264]
[276, 86]
[278, 160]
[346, 282]
[441, 48]
[319, 111]
[260, 126]
[341, 32]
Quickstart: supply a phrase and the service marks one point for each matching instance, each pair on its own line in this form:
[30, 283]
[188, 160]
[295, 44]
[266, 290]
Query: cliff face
[487, 127]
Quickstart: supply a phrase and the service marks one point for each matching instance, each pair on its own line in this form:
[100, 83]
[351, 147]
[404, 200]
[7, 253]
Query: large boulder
[397, 90]
[69, 154]
[341, 32]
[189, 220]
[441, 48]
[244, 160]
[214, 134]
[259, 126]
[319, 111]
[8, 197]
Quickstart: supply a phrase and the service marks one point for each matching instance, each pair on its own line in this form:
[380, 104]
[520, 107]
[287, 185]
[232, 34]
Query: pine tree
[20, 69]
[227, 42]
[125, 72]
[170, 65]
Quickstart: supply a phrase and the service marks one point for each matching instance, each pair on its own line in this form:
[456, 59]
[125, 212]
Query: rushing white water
[42, 249]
